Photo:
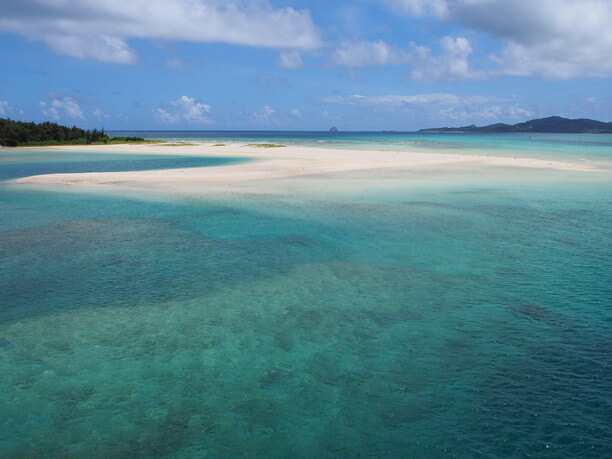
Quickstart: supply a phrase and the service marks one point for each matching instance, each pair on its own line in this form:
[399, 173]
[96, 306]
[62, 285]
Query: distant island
[552, 124]
[19, 134]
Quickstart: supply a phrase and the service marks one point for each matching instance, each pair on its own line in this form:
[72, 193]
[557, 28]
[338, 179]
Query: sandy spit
[272, 163]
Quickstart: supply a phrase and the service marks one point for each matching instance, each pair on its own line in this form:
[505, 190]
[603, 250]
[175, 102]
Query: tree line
[20, 133]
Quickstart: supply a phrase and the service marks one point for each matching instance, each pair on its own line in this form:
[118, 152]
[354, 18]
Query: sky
[303, 65]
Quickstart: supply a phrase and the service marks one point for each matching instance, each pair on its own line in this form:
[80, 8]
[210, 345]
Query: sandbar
[274, 163]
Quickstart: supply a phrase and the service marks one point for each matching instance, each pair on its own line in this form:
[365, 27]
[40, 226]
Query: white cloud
[440, 107]
[5, 108]
[452, 64]
[52, 114]
[420, 7]
[192, 111]
[394, 100]
[544, 38]
[180, 65]
[66, 107]
[175, 63]
[106, 49]
[99, 114]
[517, 112]
[69, 106]
[185, 109]
[369, 53]
[594, 102]
[100, 30]
[290, 60]
[266, 115]
[166, 117]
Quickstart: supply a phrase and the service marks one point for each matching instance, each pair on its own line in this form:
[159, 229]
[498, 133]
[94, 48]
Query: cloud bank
[101, 29]
[450, 64]
[556, 39]
[439, 106]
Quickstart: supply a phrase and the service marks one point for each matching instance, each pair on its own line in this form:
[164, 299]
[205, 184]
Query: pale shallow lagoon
[587, 148]
[429, 313]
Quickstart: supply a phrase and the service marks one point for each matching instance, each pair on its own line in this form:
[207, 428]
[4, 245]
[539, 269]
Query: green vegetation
[265, 145]
[177, 144]
[552, 124]
[123, 140]
[219, 145]
[130, 140]
[18, 133]
[22, 134]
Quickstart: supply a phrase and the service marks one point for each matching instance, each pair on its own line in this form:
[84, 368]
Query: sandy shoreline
[273, 163]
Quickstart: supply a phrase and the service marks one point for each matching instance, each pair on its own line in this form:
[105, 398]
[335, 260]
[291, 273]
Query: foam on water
[463, 315]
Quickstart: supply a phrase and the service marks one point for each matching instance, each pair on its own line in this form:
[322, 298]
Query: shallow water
[463, 315]
[15, 163]
[588, 148]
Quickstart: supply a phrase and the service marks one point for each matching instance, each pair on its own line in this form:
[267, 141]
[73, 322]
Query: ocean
[455, 311]
[578, 147]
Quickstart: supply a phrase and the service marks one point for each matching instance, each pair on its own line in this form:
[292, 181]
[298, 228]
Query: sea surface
[440, 313]
[578, 147]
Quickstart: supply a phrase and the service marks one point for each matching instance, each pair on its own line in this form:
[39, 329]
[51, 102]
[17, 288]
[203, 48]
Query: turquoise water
[590, 148]
[23, 163]
[460, 314]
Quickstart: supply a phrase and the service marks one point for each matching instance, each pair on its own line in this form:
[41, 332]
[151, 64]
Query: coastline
[276, 163]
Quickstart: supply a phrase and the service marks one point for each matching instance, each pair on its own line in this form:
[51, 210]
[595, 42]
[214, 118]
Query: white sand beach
[279, 162]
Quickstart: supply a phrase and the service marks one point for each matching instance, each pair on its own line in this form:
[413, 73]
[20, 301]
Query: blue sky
[304, 65]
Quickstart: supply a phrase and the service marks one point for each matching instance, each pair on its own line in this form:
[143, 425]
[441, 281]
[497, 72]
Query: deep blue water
[468, 315]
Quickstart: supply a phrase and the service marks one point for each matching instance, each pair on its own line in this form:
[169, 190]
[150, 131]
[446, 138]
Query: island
[552, 124]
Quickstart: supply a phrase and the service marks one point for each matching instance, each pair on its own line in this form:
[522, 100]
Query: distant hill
[552, 124]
